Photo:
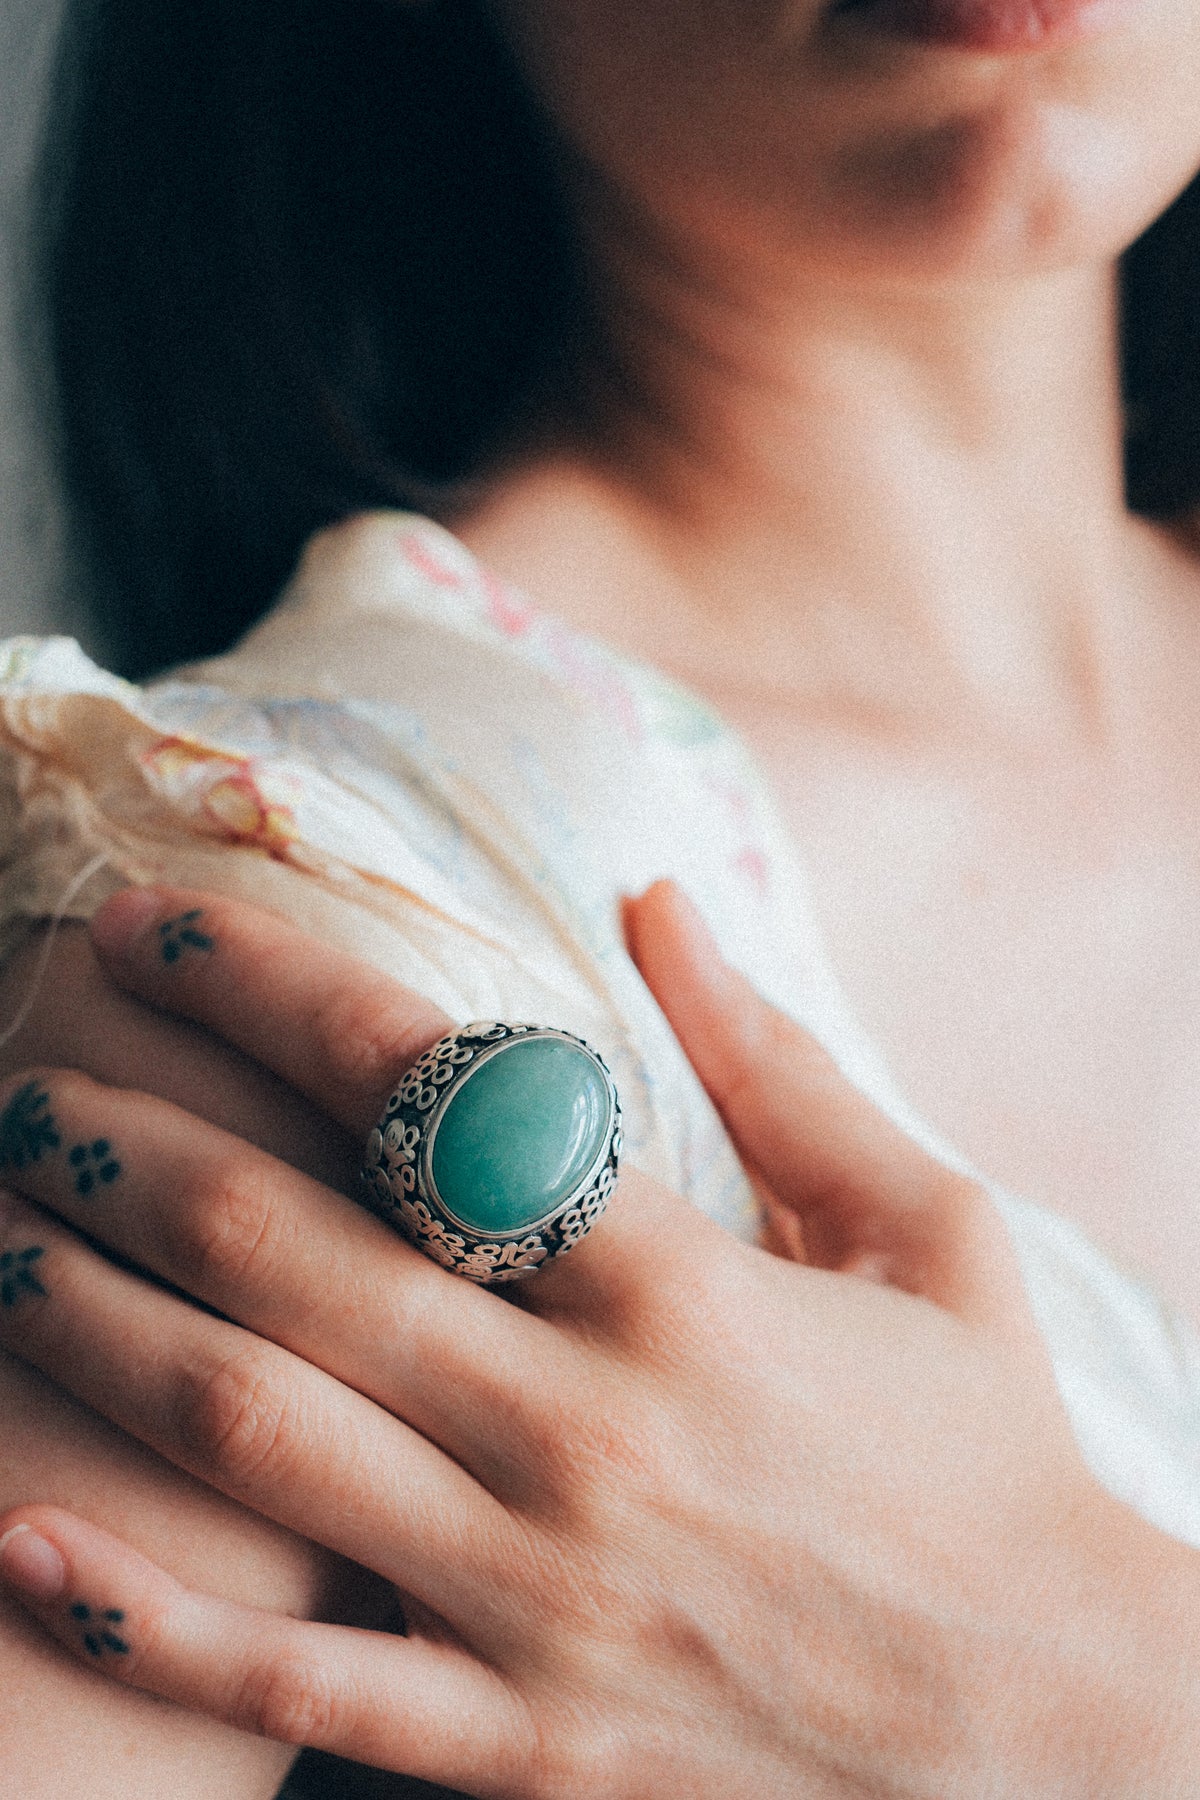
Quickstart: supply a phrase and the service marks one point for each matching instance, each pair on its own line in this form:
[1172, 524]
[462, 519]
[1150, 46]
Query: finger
[331, 1026]
[248, 1418]
[647, 1243]
[871, 1200]
[418, 1707]
[335, 1029]
[82, 1018]
[282, 1255]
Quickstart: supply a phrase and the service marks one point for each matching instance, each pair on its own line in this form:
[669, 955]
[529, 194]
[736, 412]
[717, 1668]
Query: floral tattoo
[18, 1276]
[91, 1163]
[177, 936]
[29, 1131]
[28, 1128]
[96, 1629]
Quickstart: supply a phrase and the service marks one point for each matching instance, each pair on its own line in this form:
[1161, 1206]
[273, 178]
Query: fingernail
[31, 1564]
[123, 918]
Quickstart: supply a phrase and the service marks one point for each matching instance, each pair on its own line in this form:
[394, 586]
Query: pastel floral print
[230, 795]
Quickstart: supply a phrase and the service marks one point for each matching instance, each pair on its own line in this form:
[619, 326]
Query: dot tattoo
[178, 936]
[92, 1163]
[28, 1129]
[97, 1629]
[17, 1275]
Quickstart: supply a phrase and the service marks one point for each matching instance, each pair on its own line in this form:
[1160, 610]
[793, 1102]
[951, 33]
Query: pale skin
[954, 1603]
[883, 530]
[853, 473]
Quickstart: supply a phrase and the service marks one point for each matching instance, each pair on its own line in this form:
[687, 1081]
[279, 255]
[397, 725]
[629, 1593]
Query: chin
[1017, 184]
[910, 140]
[1006, 193]
[962, 166]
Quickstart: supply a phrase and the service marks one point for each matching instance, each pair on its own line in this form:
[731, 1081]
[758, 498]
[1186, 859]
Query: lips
[989, 26]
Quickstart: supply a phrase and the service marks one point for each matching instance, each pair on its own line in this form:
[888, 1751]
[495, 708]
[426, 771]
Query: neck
[874, 501]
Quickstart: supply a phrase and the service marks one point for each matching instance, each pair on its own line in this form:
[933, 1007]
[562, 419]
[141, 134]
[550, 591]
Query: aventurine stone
[522, 1131]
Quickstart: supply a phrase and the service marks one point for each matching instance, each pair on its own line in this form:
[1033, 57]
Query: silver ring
[498, 1149]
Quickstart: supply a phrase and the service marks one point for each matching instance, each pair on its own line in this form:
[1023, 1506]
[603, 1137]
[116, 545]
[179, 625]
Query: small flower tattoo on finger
[28, 1129]
[91, 1163]
[177, 936]
[97, 1629]
[18, 1277]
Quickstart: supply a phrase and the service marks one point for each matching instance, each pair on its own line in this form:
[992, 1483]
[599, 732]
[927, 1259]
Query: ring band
[498, 1150]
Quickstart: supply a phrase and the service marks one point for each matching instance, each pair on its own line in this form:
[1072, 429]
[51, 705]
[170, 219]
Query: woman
[835, 437]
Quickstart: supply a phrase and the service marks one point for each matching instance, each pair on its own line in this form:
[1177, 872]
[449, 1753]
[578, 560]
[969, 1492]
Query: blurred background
[36, 593]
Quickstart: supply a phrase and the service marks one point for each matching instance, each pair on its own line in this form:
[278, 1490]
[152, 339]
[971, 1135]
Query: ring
[498, 1150]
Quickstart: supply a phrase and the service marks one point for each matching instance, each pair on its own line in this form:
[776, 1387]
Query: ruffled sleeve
[96, 774]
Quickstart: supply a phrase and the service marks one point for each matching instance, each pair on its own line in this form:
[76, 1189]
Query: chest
[1025, 949]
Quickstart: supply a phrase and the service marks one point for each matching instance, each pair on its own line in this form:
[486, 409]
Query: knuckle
[228, 1228]
[608, 1448]
[559, 1431]
[364, 1035]
[692, 1302]
[148, 1643]
[236, 1419]
[581, 1754]
[687, 1293]
[288, 1698]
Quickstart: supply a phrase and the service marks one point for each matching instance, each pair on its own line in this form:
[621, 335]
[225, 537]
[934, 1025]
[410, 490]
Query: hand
[688, 1520]
[121, 1741]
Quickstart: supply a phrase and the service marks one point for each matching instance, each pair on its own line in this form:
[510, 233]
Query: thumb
[871, 1201]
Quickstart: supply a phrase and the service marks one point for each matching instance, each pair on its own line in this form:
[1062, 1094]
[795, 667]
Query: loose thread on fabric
[73, 888]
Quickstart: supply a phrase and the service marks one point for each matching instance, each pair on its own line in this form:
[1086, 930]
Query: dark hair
[304, 257]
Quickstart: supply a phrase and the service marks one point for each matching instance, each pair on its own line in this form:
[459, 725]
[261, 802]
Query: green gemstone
[520, 1134]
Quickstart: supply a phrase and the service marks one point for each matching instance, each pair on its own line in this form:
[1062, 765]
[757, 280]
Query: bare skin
[853, 473]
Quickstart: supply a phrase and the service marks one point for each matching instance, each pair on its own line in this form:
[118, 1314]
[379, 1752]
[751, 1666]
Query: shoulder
[392, 608]
[407, 664]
